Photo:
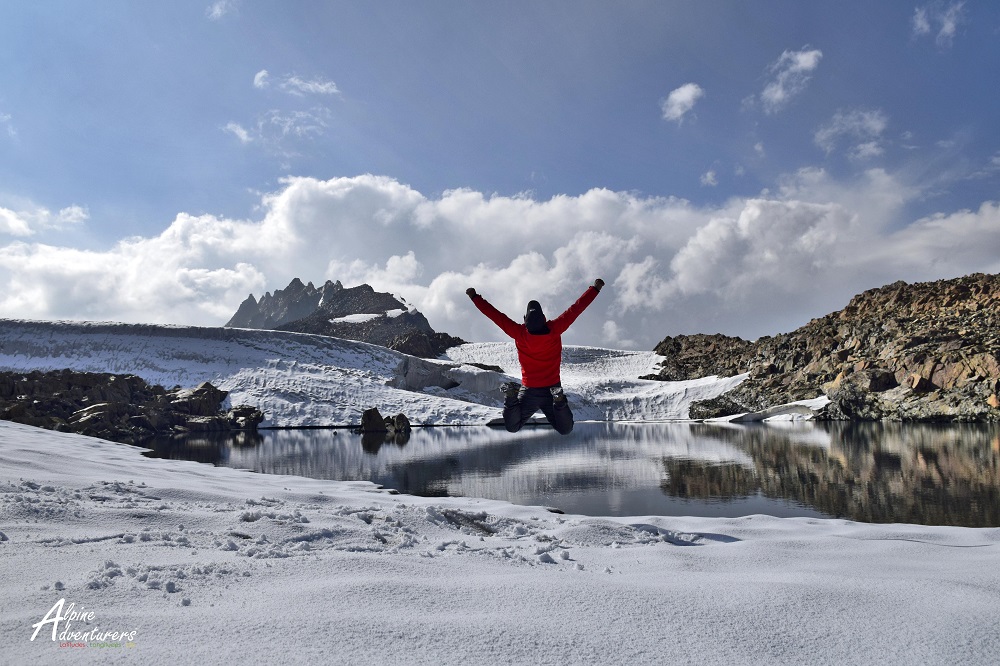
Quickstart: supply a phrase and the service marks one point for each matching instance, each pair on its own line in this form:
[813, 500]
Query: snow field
[209, 565]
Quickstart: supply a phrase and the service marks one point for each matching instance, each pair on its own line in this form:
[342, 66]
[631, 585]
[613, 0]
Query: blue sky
[725, 166]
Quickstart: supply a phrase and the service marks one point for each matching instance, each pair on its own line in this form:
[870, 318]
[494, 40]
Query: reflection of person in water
[539, 351]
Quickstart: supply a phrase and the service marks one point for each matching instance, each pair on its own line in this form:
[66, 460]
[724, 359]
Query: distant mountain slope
[309, 380]
[925, 351]
[354, 313]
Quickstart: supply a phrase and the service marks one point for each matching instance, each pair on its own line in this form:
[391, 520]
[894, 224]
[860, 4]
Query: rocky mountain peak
[354, 313]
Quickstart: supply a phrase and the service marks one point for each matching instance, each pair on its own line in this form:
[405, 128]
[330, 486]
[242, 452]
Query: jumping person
[539, 351]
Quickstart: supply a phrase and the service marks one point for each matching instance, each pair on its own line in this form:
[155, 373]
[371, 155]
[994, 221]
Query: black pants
[518, 408]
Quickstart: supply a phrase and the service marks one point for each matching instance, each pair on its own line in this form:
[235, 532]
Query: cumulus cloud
[789, 75]
[681, 101]
[945, 20]
[32, 219]
[752, 266]
[862, 129]
[261, 79]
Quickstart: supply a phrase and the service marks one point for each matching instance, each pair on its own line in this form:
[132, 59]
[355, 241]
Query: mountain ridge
[335, 310]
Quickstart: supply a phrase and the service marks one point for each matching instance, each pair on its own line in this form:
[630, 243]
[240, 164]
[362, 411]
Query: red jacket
[539, 355]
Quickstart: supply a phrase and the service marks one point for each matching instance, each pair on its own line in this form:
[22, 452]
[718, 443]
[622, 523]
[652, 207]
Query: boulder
[244, 417]
[372, 421]
[204, 400]
[400, 423]
[714, 408]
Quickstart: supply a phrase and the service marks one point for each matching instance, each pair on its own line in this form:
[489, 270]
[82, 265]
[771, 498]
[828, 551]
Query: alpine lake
[932, 474]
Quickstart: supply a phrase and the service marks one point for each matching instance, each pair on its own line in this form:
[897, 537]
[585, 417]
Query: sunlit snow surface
[309, 380]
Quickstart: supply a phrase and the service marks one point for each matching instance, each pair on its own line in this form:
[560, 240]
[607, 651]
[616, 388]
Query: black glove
[471, 291]
[598, 284]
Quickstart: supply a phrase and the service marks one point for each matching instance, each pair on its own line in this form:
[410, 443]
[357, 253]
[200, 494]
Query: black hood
[534, 319]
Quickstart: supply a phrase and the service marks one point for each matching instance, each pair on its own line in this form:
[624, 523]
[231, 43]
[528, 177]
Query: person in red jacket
[539, 351]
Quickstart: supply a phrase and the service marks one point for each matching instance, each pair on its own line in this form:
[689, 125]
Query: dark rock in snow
[372, 421]
[714, 408]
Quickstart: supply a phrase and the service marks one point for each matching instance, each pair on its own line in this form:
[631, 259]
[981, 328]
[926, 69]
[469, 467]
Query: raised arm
[506, 324]
[566, 319]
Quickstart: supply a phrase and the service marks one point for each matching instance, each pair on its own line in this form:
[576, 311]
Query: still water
[929, 474]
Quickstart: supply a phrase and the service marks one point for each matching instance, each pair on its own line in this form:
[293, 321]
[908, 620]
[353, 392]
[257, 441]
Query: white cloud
[284, 132]
[238, 131]
[709, 178]
[789, 75]
[751, 266]
[220, 8]
[863, 129]
[681, 101]
[945, 19]
[13, 224]
[73, 215]
[945, 244]
[298, 86]
[32, 219]
[613, 336]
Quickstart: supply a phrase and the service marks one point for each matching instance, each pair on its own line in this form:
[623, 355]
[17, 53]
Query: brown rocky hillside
[913, 352]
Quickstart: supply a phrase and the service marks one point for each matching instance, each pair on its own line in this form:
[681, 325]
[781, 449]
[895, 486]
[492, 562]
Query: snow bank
[309, 380]
[203, 565]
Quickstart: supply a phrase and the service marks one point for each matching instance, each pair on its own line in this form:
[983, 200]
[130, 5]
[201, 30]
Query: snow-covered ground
[194, 564]
[310, 380]
[110, 557]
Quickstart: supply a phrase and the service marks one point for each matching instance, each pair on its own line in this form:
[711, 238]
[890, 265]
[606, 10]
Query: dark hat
[534, 319]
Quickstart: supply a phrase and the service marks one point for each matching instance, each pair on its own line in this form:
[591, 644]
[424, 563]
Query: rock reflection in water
[371, 442]
[943, 475]
[213, 448]
[870, 472]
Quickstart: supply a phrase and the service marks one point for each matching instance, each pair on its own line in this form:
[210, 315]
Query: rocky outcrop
[908, 352]
[373, 421]
[693, 356]
[120, 408]
[376, 430]
[354, 313]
